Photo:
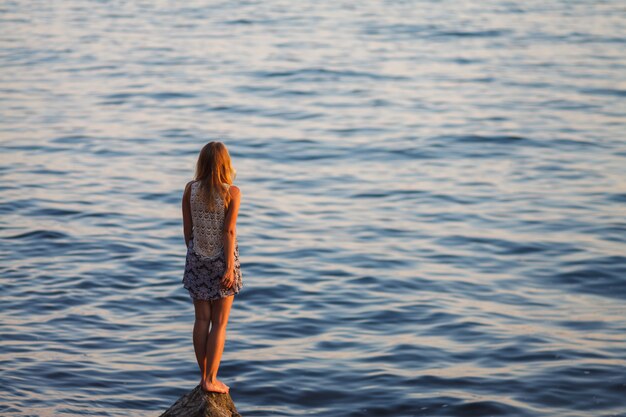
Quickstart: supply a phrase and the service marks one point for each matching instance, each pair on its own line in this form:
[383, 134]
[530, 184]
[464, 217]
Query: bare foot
[223, 385]
[217, 382]
[218, 386]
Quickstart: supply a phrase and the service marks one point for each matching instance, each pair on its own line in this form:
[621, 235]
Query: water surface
[432, 220]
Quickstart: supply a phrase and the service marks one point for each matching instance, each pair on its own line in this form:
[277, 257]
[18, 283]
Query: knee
[219, 323]
[202, 319]
[203, 315]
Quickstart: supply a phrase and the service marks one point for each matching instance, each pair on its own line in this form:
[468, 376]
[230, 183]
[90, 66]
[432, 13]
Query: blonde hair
[213, 169]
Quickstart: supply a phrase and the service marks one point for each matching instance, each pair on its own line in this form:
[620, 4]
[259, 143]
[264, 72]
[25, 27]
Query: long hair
[213, 169]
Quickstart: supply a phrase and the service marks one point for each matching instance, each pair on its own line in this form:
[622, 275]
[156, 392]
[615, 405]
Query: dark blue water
[432, 221]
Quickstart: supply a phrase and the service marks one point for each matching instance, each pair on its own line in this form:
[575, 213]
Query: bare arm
[230, 228]
[187, 223]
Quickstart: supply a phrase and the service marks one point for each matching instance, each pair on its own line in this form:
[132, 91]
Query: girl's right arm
[230, 227]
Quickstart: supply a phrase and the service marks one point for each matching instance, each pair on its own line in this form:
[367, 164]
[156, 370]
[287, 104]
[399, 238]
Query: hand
[228, 279]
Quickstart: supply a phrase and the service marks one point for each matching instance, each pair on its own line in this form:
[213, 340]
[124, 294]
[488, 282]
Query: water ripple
[432, 221]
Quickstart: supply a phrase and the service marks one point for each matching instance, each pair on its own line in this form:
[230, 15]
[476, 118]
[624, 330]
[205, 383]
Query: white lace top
[208, 225]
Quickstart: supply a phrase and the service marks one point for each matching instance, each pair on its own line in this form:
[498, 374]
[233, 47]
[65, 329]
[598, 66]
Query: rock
[197, 403]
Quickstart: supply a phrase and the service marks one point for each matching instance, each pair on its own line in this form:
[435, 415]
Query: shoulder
[234, 190]
[188, 186]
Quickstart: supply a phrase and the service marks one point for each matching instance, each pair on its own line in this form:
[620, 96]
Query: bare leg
[200, 332]
[220, 311]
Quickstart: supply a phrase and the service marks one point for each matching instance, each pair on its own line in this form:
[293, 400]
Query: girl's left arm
[187, 224]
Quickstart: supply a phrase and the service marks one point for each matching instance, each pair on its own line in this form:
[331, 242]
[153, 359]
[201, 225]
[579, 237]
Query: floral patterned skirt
[203, 275]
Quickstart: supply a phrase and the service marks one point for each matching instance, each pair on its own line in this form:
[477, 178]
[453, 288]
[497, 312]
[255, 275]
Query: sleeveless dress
[205, 262]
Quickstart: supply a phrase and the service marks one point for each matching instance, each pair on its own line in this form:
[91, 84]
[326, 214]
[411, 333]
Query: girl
[212, 269]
